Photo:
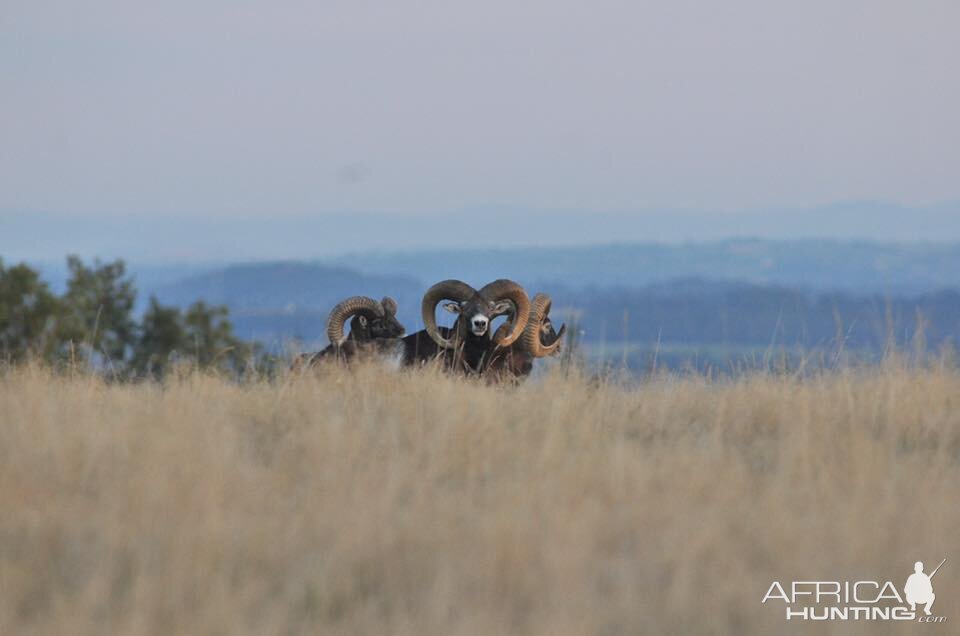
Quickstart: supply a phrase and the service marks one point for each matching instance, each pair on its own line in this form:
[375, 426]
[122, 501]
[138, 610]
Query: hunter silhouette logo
[919, 589]
[858, 600]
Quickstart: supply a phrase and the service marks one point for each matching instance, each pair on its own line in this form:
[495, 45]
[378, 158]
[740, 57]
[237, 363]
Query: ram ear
[363, 321]
[453, 308]
[502, 307]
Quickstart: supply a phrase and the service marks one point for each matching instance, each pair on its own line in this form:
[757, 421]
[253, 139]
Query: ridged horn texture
[503, 289]
[451, 289]
[344, 310]
[531, 335]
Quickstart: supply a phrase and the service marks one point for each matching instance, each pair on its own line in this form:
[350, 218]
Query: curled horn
[450, 290]
[531, 335]
[349, 307]
[504, 289]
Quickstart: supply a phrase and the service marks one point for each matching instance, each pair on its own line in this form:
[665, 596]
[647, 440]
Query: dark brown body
[469, 356]
[374, 330]
[516, 361]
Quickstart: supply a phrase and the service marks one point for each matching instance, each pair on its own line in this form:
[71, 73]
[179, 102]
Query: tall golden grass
[373, 502]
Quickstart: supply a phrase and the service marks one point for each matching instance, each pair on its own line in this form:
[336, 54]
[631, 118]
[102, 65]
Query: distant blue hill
[856, 266]
[283, 285]
[863, 267]
[273, 302]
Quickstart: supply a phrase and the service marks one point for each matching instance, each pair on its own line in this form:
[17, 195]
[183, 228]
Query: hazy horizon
[159, 240]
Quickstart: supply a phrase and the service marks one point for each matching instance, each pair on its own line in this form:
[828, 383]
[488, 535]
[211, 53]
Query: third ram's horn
[362, 305]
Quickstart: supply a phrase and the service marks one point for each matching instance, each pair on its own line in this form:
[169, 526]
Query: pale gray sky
[241, 108]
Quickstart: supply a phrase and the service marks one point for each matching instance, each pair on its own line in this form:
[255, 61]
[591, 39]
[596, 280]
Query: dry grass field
[377, 502]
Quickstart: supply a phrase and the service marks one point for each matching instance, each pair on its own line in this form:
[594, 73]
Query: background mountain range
[712, 303]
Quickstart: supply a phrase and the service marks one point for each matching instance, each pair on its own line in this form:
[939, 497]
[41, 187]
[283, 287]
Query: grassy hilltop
[377, 502]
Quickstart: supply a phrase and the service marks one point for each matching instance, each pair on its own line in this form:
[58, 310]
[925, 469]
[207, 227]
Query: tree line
[93, 323]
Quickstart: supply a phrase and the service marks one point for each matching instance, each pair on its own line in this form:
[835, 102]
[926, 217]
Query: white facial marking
[479, 324]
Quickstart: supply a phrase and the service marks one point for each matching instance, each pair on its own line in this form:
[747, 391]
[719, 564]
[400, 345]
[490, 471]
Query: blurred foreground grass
[372, 502]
